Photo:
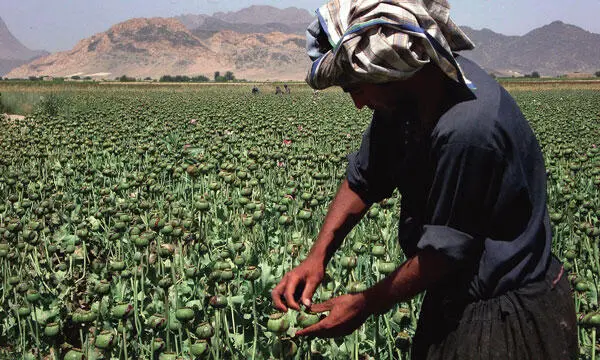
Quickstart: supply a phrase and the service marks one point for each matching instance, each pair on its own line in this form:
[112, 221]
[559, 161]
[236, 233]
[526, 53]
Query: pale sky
[55, 25]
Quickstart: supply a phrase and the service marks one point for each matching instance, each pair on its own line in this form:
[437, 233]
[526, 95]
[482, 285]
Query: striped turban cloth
[378, 41]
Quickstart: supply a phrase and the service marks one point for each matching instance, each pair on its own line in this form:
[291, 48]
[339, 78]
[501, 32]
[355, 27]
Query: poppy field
[153, 222]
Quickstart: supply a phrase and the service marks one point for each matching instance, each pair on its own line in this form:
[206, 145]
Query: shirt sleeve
[466, 183]
[373, 170]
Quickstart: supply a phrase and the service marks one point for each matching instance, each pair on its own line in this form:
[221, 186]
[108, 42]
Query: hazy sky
[58, 24]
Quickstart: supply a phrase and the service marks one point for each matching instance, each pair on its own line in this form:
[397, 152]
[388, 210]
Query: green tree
[229, 76]
[535, 74]
[597, 73]
[217, 75]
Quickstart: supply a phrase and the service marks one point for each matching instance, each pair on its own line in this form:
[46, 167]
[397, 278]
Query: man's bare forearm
[414, 276]
[345, 211]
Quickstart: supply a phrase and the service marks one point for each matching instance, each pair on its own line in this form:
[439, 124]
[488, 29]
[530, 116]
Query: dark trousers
[537, 321]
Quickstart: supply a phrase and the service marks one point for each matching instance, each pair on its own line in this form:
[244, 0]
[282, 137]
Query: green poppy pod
[238, 246]
[158, 344]
[121, 311]
[284, 348]
[185, 314]
[157, 322]
[74, 354]
[167, 356]
[218, 301]
[359, 248]
[104, 340]
[348, 262]
[33, 296]
[120, 226]
[570, 254]
[304, 214]
[402, 317]
[102, 287]
[205, 331]
[356, 287]
[165, 282]
[378, 250]
[239, 260]
[24, 311]
[116, 266]
[278, 323]
[174, 324]
[373, 213]
[199, 348]
[594, 319]
[226, 275]
[252, 273]
[140, 241]
[14, 280]
[257, 215]
[166, 250]
[248, 221]
[284, 220]
[167, 230]
[306, 319]
[190, 272]
[568, 266]
[582, 286]
[386, 267]
[52, 329]
[83, 316]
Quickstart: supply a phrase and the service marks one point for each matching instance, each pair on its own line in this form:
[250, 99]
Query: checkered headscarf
[378, 41]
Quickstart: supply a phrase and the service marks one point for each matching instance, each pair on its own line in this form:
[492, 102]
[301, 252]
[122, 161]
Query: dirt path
[10, 117]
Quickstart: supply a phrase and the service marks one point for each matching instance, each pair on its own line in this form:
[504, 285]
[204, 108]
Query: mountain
[254, 19]
[267, 43]
[263, 14]
[12, 52]
[553, 49]
[160, 46]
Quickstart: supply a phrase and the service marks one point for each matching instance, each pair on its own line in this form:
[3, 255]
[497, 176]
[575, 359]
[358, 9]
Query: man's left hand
[346, 314]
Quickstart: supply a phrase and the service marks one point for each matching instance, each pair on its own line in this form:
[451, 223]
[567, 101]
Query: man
[474, 221]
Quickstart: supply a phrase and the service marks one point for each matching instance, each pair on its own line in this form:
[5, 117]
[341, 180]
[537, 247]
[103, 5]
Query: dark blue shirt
[473, 188]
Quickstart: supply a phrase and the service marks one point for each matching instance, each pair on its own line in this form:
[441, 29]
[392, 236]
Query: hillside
[12, 52]
[159, 46]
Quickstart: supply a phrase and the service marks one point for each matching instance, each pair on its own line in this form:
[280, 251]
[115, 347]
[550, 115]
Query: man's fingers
[276, 294]
[307, 294]
[321, 307]
[290, 289]
[316, 330]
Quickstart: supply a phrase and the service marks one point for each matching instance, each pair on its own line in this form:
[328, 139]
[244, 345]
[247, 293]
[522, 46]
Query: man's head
[368, 41]
[392, 96]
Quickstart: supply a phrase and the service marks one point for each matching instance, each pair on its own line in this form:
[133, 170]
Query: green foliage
[533, 75]
[172, 214]
[125, 78]
[51, 104]
[183, 78]
[597, 73]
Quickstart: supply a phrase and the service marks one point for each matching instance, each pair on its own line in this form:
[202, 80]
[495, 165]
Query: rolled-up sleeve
[373, 170]
[465, 186]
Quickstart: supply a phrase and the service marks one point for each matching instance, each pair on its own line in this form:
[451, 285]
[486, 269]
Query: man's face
[380, 97]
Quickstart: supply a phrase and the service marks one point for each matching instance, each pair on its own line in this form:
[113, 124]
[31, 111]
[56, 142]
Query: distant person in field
[278, 90]
[474, 222]
[255, 90]
[286, 88]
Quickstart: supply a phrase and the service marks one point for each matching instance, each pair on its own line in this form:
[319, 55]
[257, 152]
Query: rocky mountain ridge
[266, 43]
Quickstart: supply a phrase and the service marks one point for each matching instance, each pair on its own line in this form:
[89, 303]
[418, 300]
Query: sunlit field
[152, 221]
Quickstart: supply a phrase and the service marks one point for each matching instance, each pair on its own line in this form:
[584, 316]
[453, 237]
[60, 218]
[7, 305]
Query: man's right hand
[299, 284]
